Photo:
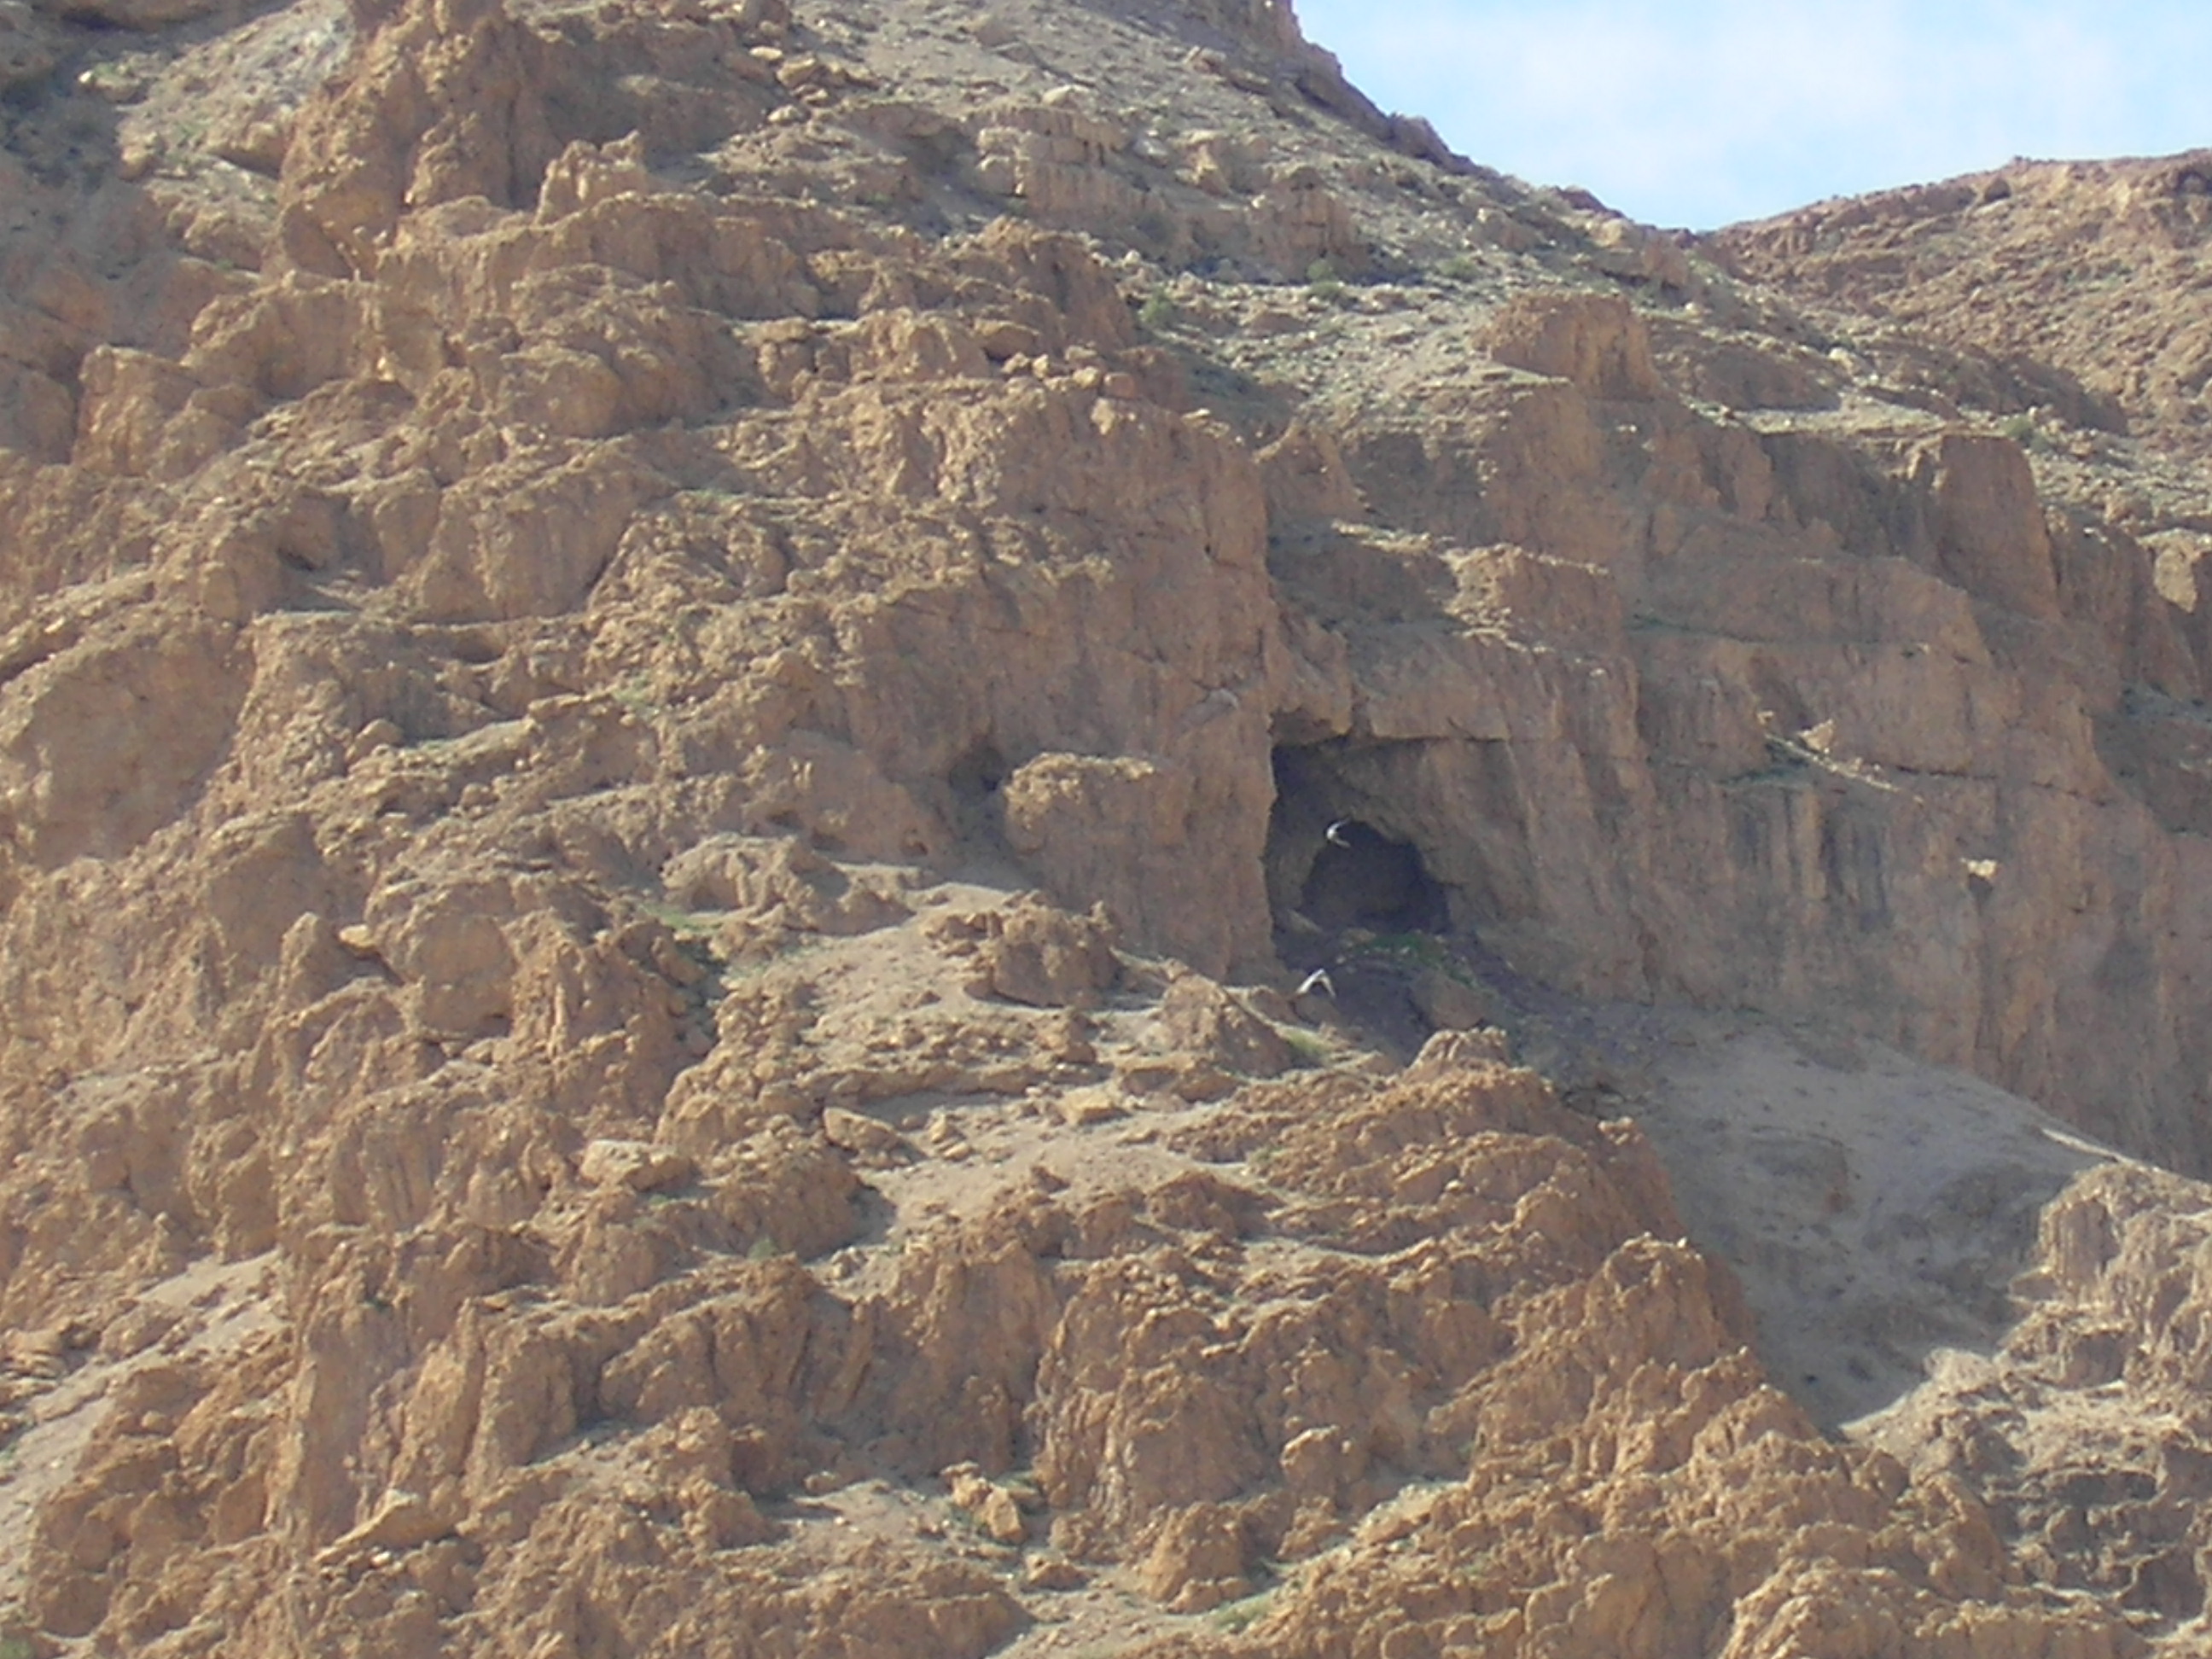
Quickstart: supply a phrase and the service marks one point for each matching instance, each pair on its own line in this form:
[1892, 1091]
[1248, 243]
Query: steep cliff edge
[681, 687]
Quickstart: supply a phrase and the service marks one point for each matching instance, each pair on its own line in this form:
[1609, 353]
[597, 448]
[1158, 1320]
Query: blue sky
[1699, 112]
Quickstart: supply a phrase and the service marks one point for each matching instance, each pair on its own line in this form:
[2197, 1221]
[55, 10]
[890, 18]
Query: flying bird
[1335, 833]
[1318, 980]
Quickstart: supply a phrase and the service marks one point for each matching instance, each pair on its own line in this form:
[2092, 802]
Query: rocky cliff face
[658, 665]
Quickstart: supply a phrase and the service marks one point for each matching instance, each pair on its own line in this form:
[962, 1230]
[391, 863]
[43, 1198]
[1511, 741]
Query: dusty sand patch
[1875, 1208]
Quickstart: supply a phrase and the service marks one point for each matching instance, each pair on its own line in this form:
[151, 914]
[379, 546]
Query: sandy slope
[1875, 1208]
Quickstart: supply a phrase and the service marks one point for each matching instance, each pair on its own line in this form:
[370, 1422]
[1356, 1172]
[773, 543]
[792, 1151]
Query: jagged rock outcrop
[671, 694]
[2087, 1427]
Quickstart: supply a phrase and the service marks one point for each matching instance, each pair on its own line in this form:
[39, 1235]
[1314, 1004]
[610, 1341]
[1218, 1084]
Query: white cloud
[1700, 113]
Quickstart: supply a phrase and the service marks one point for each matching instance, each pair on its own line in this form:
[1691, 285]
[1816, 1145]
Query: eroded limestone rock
[559, 578]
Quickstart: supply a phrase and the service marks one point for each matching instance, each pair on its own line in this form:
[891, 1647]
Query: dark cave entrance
[1333, 863]
[975, 782]
[1360, 913]
[1362, 878]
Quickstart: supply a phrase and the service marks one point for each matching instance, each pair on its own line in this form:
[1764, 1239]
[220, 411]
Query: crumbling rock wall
[2085, 1427]
[519, 596]
[1781, 723]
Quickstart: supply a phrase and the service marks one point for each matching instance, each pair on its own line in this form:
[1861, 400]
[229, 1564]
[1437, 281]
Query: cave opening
[979, 772]
[1361, 877]
[1361, 916]
[1333, 864]
[975, 782]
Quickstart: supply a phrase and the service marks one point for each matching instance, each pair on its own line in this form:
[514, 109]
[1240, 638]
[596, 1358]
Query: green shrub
[1324, 282]
[686, 925]
[1236, 1617]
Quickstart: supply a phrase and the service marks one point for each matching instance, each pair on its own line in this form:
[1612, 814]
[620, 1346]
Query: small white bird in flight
[1335, 833]
[1318, 980]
